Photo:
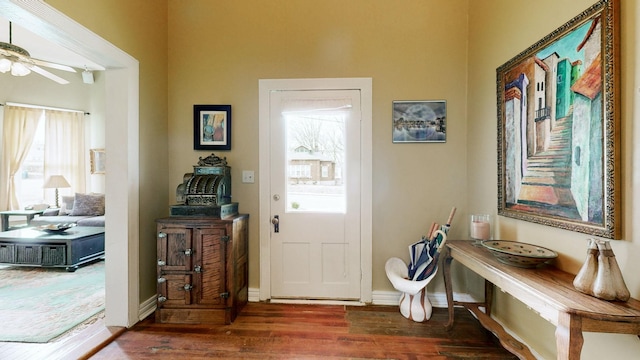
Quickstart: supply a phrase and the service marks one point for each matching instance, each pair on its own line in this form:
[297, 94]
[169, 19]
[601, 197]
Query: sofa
[80, 209]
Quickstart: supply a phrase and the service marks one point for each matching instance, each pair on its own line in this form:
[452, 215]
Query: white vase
[414, 302]
[416, 307]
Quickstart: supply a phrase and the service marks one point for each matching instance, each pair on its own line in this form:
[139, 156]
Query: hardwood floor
[286, 331]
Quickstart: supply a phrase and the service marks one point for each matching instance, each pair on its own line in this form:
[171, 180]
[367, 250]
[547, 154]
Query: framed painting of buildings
[419, 121]
[212, 127]
[559, 128]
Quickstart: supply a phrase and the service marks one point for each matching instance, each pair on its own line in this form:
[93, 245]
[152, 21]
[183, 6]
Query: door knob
[276, 223]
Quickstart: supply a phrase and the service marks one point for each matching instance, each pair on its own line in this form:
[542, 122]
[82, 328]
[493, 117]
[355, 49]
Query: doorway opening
[120, 105]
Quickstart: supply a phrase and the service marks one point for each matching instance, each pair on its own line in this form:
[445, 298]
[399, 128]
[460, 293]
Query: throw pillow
[88, 205]
[67, 205]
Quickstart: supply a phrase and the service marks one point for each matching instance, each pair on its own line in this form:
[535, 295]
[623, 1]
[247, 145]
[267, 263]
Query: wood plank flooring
[288, 331]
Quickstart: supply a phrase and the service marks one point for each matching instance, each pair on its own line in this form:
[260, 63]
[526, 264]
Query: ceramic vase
[609, 283]
[416, 307]
[602, 285]
[619, 286]
[583, 282]
[414, 303]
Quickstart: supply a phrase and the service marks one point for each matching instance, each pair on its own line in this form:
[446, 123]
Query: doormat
[39, 304]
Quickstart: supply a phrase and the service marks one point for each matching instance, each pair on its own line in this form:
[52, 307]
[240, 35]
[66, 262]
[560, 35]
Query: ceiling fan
[18, 60]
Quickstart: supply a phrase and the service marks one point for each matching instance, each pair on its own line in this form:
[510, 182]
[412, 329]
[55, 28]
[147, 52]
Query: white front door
[315, 194]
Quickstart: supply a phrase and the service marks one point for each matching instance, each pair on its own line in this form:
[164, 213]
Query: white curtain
[19, 127]
[64, 151]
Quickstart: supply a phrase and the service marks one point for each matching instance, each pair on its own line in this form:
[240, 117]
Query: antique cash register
[206, 191]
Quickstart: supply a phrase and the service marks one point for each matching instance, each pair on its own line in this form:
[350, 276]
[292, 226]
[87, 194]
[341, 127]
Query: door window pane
[315, 161]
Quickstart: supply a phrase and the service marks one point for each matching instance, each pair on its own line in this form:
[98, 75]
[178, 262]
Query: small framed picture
[212, 127]
[419, 121]
[98, 161]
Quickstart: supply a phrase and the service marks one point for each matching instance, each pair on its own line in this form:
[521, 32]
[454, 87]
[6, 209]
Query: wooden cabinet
[202, 269]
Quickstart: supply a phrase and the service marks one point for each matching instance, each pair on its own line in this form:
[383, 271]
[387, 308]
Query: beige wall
[413, 50]
[139, 28]
[515, 25]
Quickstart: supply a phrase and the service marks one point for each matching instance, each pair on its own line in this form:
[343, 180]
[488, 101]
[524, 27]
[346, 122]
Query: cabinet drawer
[175, 249]
[54, 255]
[7, 253]
[175, 290]
[28, 254]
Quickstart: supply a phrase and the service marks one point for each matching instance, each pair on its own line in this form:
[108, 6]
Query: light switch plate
[248, 176]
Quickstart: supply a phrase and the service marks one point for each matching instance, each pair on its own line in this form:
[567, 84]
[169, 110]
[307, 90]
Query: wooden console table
[546, 290]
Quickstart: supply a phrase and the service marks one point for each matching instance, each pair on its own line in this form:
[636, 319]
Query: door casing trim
[364, 85]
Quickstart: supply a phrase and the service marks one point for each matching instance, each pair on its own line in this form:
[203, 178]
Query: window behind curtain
[30, 177]
[58, 149]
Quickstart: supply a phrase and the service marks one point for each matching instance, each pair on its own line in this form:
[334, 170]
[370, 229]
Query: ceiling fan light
[18, 69]
[5, 65]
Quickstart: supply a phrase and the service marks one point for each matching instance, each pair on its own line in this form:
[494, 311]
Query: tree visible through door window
[315, 157]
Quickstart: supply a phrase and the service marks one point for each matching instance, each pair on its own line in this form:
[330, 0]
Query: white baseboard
[390, 298]
[254, 294]
[147, 307]
[438, 300]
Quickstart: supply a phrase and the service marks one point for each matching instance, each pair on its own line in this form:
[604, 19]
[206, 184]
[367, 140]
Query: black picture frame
[559, 128]
[212, 127]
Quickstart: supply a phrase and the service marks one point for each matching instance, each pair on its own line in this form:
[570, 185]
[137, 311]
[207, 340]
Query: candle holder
[479, 228]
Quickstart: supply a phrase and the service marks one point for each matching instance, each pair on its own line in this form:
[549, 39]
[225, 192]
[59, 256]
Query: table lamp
[56, 181]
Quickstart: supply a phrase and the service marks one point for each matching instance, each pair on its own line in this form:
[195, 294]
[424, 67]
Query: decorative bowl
[56, 228]
[519, 254]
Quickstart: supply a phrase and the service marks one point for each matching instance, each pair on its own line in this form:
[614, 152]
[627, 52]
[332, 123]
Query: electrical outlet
[248, 176]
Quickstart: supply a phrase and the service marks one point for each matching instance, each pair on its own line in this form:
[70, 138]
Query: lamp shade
[56, 181]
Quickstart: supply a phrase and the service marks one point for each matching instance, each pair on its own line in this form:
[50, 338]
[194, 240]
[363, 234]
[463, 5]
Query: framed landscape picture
[419, 121]
[559, 128]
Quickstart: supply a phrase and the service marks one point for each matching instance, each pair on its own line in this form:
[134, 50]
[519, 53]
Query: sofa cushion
[88, 205]
[67, 205]
[92, 221]
[51, 212]
[52, 220]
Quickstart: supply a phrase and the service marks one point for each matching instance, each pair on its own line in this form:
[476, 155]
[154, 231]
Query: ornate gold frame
[538, 92]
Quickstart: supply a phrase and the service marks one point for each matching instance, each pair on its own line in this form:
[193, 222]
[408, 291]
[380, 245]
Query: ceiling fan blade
[48, 75]
[53, 65]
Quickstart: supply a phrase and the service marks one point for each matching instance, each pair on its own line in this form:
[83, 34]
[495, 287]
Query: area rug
[39, 304]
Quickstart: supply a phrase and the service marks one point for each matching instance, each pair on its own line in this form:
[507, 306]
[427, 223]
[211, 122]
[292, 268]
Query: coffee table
[29, 214]
[68, 249]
